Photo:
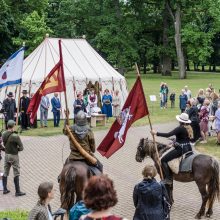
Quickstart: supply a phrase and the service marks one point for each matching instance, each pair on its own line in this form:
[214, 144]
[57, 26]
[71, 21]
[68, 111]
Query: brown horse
[73, 177]
[205, 172]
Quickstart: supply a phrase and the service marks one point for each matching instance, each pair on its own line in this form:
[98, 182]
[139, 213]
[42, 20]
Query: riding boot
[4, 182]
[17, 187]
[168, 176]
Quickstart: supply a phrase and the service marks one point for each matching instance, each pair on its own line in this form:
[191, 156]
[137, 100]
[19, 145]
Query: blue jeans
[43, 117]
[56, 118]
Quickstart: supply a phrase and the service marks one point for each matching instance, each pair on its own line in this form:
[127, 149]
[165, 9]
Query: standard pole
[67, 109]
[154, 141]
[155, 146]
[82, 151]
[19, 97]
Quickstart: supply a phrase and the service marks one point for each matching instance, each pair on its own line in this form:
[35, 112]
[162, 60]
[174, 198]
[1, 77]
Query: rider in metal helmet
[81, 119]
[85, 137]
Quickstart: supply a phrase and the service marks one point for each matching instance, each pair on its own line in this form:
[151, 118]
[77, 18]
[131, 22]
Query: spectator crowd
[91, 101]
[202, 108]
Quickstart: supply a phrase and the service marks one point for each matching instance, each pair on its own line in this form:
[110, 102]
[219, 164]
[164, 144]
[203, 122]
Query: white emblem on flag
[123, 119]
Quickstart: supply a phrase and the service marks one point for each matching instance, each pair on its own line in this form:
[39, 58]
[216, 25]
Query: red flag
[134, 108]
[54, 82]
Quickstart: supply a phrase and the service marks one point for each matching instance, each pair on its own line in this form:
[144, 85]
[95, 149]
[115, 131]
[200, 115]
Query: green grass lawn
[14, 215]
[210, 148]
[151, 84]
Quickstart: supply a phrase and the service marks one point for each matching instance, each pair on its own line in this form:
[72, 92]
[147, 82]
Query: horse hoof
[198, 216]
[209, 214]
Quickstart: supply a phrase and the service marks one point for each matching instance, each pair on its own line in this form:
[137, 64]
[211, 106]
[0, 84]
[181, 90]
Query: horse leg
[203, 192]
[209, 212]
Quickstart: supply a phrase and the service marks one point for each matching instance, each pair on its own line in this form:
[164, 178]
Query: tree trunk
[203, 68]
[194, 64]
[172, 65]
[214, 68]
[179, 50]
[145, 64]
[166, 59]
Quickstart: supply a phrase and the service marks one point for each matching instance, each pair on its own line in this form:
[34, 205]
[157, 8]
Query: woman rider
[182, 145]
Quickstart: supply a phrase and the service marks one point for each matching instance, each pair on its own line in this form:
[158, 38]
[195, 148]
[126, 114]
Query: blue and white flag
[11, 71]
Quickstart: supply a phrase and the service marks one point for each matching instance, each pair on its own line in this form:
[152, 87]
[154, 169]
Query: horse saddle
[183, 163]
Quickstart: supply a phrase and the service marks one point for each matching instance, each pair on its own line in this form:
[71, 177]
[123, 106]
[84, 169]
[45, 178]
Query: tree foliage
[122, 31]
[33, 31]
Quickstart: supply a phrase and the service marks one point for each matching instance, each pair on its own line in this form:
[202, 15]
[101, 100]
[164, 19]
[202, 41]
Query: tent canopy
[82, 64]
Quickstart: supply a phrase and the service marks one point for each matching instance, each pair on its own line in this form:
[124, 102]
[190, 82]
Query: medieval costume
[79, 105]
[34, 124]
[92, 100]
[107, 104]
[85, 137]
[24, 103]
[116, 103]
[9, 108]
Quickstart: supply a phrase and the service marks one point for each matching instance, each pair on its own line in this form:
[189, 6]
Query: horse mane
[149, 144]
[72, 180]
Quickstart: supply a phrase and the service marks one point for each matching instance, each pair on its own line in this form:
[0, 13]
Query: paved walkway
[43, 157]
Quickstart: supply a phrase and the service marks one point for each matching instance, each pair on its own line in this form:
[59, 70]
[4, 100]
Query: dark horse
[73, 177]
[205, 172]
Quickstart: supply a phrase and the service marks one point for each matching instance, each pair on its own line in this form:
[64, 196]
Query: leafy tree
[6, 30]
[34, 29]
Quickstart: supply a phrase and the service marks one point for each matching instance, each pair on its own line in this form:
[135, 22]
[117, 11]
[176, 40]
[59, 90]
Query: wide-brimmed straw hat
[184, 118]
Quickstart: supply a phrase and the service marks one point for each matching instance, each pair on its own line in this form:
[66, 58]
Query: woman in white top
[116, 103]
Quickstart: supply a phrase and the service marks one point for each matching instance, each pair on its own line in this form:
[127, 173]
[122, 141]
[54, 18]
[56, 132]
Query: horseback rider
[85, 137]
[182, 145]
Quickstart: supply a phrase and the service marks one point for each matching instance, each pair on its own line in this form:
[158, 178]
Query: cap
[11, 123]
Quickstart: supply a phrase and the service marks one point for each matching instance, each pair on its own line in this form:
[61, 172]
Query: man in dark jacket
[13, 145]
[24, 103]
[56, 107]
[9, 108]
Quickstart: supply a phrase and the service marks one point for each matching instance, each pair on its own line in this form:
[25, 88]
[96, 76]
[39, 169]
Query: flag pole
[154, 141]
[84, 153]
[19, 93]
[19, 97]
[67, 109]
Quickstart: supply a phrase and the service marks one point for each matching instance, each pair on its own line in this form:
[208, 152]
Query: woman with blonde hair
[148, 196]
[184, 134]
[204, 119]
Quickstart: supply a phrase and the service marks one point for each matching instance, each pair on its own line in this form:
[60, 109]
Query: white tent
[81, 65]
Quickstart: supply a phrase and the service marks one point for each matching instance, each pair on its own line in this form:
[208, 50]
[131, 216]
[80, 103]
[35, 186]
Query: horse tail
[213, 186]
[67, 187]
